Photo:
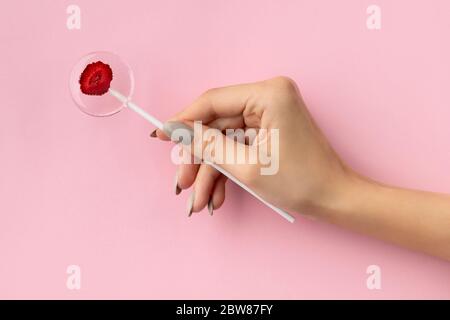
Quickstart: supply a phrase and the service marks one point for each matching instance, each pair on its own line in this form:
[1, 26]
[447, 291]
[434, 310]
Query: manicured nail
[190, 203]
[153, 134]
[176, 188]
[210, 206]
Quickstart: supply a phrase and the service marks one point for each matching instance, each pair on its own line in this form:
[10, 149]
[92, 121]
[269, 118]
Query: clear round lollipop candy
[93, 75]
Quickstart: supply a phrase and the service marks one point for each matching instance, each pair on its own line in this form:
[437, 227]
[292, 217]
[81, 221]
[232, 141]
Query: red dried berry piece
[96, 78]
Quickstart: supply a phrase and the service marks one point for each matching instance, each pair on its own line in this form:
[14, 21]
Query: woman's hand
[306, 173]
[308, 177]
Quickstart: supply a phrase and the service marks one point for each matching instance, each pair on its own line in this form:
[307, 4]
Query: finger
[220, 103]
[186, 175]
[204, 184]
[218, 195]
[211, 145]
[221, 124]
[225, 102]
[160, 135]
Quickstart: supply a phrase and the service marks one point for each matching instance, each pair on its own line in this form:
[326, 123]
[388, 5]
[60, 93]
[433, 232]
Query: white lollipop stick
[159, 125]
[136, 109]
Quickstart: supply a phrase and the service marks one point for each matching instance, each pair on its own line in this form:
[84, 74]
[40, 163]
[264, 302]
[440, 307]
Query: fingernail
[153, 134]
[210, 206]
[190, 203]
[176, 188]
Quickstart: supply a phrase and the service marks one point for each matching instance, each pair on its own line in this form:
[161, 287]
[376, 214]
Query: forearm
[415, 219]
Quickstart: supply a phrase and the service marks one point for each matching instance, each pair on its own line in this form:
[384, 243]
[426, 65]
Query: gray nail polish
[190, 203]
[210, 206]
[178, 132]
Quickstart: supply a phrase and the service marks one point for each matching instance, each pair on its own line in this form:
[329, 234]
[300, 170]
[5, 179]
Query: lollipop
[102, 72]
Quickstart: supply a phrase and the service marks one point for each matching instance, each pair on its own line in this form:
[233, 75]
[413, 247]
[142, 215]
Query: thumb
[211, 145]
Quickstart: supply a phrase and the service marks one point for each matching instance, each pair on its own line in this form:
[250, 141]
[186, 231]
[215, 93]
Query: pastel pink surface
[97, 192]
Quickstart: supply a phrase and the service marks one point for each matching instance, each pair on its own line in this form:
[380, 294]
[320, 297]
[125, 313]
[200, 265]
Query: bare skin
[312, 179]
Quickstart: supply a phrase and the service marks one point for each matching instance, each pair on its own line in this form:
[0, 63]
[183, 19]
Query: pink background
[97, 192]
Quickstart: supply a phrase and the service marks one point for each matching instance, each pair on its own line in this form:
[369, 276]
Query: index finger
[217, 103]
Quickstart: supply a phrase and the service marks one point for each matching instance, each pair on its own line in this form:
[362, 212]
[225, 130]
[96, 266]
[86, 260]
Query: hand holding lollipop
[103, 72]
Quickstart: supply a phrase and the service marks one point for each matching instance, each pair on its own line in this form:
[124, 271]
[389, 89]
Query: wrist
[344, 196]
